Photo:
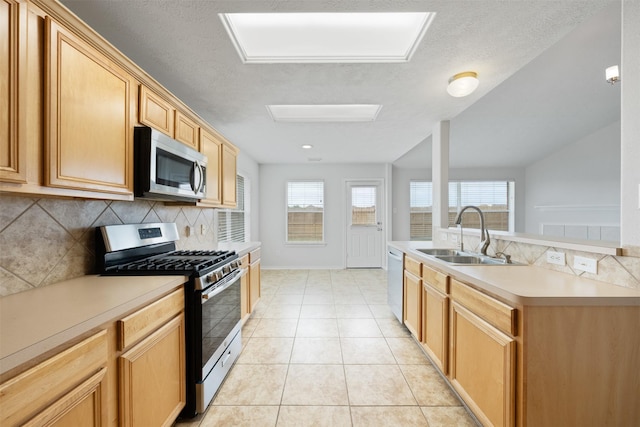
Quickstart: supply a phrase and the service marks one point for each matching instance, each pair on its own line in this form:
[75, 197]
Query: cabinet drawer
[438, 280]
[28, 393]
[254, 255]
[244, 261]
[144, 321]
[412, 266]
[493, 311]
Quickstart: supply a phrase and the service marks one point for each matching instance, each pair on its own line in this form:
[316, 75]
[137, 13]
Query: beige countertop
[240, 248]
[528, 285]
[36, 321]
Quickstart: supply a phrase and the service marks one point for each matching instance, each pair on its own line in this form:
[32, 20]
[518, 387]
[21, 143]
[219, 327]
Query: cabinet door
[12, 40]
[155, 112]
[229, 158]
[435, 326]
[88, 137]
[254, 284]
[152, 378]
[413, 304]
[187, 130]
[483, 367]
[82, 406]
[211, 147]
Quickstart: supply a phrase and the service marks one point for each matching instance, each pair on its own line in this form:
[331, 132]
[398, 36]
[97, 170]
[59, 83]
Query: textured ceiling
[183, 45]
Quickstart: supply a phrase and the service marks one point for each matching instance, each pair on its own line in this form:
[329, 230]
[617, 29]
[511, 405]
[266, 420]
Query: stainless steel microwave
[165, 169]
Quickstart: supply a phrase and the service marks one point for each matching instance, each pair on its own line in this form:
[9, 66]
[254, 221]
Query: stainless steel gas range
[212, 297]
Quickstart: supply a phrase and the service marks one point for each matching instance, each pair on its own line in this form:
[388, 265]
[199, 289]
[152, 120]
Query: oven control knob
[210, 278]
[226, 269]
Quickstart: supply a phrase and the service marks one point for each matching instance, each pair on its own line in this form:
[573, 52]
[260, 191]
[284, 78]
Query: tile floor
[322, 348]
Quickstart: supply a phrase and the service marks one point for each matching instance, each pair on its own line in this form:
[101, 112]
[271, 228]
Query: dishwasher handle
[394, 256]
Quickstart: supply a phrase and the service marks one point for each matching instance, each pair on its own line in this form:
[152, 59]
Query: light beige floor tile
[314, 416]
[317, 328]
[315, 385]
[249, 326]
[267, 350]
[391, 328]
[288, 298]
[384, 416]
[366, 351]
[382, 311]
[281, 311]
[318, 311]
[241, 416]
[252, 385]
[442, 416]
[428, 387]
[407, 351]
[353, 311]
[375, 385]
[317, 351]
[275, 328]
[358, 328]
[376, 297]
[319, 287]
[349, 298]
[324, 298]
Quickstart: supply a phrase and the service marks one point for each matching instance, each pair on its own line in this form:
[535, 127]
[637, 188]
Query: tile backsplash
[618, 270]
[47, 240]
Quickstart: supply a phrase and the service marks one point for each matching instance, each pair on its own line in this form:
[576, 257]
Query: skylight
[324, 113]
[326, 37]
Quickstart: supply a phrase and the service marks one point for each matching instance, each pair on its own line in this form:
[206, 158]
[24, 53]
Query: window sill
[305, 244]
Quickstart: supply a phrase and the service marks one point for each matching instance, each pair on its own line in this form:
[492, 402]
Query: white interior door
[364, 224]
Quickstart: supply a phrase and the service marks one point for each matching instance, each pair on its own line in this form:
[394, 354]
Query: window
[494, 198]
[305, 211]
[363, 206]
[231, 222]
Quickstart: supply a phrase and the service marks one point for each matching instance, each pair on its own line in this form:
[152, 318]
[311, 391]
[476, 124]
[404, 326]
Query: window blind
[305, 211]
[231, 222]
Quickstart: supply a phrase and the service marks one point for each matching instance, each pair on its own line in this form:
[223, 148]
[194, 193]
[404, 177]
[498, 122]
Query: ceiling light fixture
[463, 84]
[307, 146]
[612, 74]
[349, 37]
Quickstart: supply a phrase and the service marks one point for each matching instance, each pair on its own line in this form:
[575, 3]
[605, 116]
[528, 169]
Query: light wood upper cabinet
[88, 138]
[67, 389]
[155, 112]
[13, 148]
[229, 175]
[187, 130]
[211, 147]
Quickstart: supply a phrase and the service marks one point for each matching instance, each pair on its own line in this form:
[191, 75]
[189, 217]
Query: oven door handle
[238, 274]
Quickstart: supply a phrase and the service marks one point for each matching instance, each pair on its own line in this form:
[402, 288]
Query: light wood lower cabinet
[152, 378]
[435, 326]
[67, 389]
[152, 371]
[412, 304]
[483, 367]
[254, 278]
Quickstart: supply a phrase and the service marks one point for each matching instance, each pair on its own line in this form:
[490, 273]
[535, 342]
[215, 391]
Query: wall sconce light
[463, 84]
[612, 74]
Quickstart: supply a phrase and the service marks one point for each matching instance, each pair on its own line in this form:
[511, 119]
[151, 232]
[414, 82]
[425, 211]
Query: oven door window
[220, 315]
[173, 171]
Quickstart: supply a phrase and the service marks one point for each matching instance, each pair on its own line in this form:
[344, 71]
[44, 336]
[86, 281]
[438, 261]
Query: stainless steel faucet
[484, 234]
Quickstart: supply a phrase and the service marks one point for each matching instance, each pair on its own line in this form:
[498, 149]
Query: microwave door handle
[196, 171]
[201, 186]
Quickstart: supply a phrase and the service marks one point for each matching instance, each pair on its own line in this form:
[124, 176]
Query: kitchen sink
[439, 252]
[472, 259]
[458, 257]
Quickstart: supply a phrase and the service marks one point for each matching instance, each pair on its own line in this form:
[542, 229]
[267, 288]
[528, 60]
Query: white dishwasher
[394, 281]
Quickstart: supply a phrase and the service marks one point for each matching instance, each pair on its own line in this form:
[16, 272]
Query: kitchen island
[523, 345]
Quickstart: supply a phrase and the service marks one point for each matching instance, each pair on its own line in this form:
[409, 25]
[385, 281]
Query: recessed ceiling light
[324, 113]
[326, 37]
[307, 146]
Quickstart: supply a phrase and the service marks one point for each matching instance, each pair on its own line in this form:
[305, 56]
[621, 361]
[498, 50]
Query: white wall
[273, 185]
[630, 110]
[572, 188]
[400, 196]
